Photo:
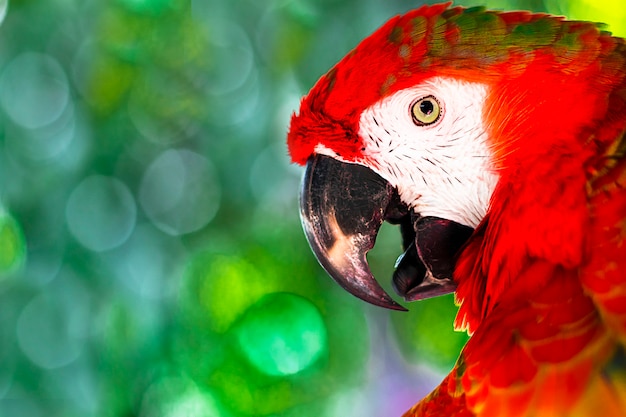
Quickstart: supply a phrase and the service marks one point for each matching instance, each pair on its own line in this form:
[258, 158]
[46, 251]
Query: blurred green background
[151, 257]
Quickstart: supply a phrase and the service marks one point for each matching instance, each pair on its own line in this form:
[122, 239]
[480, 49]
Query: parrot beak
[342, 207]
[431, 244]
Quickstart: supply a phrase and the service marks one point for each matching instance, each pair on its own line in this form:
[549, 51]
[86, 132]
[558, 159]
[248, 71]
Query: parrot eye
[425, 111]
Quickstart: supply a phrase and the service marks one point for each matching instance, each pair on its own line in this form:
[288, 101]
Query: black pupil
[426, 107]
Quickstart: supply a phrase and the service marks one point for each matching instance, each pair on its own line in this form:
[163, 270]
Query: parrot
[495, 142]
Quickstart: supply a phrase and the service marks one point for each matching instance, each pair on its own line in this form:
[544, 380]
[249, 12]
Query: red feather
[542, 281]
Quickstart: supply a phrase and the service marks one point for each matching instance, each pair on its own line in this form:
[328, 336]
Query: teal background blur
[152, 261]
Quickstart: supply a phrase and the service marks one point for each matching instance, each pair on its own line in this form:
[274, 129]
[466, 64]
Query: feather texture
[542, 281]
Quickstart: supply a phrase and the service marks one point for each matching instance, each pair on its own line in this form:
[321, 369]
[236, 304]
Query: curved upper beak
[342, 207]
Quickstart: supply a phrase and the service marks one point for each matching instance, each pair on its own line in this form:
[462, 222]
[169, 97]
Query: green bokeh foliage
[158, 321]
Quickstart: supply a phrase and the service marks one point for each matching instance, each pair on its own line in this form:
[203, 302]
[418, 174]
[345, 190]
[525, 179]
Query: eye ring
[426, 111]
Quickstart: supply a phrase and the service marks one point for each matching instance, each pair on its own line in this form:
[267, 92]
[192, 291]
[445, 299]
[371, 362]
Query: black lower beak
[425, 269]
[342, 207]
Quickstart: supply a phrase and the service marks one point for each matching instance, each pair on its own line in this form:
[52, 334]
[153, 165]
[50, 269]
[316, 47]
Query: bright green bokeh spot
[178, 397]
[224, 286]
[282, 334]
[12, 244]
[146, 6]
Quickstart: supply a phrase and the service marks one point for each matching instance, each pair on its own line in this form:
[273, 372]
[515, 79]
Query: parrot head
[426, 124]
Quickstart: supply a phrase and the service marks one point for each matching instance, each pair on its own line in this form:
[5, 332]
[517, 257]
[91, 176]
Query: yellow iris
[426, 111]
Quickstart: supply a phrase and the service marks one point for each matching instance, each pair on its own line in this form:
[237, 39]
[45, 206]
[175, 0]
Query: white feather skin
[443, 169]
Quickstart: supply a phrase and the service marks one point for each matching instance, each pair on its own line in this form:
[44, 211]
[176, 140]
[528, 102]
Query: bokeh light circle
[47, 142]
[51, 331]
[282, 334]
[233, 50]
[34, 90]
[222, 287]
[101, 213]
[178, 397]
[179, 192]
[149, 7]
[149, 262]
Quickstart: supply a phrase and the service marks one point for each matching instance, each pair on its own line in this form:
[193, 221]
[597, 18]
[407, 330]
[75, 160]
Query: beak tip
[385, 302]
[363, 285]
[379, 298]
[398, 307]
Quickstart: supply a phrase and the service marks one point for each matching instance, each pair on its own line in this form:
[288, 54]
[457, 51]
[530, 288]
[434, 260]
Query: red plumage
[542, 281]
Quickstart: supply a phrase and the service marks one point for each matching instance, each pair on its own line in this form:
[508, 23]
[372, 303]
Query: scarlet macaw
[496, 141]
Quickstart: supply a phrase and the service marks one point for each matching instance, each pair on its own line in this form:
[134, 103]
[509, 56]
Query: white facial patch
[441, 169]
